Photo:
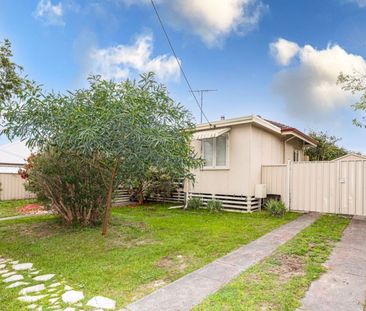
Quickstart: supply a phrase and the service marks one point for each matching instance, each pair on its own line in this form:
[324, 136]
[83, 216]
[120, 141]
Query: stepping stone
[4, 271]
[102, 303]
[72, 296]
[31, 298]
[32, 306]
[14, 262]
[8, 274]
[69, 309]
[55, 284]
[32, 289]
[2, 266]
[16, 284]
[13, 278]
[34, 272]
[53, 300]
[67, 287]
[44, 277]
[23, 266]
[52, 290]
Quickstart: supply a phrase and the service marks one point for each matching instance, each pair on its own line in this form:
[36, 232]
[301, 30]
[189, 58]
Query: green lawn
[281, 280]
[147, 247]
[9, 208]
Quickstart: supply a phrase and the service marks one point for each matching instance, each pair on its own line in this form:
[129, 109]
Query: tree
[72, 185]
[326, 149]
[123, 127]
[13, 83]
[356, 84]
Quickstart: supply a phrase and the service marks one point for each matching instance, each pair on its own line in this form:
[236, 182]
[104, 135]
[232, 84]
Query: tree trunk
[107, 212]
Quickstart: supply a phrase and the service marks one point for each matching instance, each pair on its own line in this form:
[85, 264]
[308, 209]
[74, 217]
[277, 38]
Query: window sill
[218, 168]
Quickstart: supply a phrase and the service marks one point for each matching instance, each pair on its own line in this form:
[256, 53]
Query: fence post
[289, 183]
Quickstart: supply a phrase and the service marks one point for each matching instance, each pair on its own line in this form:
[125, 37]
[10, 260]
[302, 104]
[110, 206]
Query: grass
[9, 208]
[146, 248]
[281, 280]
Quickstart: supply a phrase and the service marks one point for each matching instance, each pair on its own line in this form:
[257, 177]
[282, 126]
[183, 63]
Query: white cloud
[122, 61]
[309, 87]
[360, 3]
[51, 14]
[284, 51]
[211, 20]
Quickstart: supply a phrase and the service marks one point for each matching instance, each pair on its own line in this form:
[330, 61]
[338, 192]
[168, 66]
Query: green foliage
[194, 203]
[157, 183]
[276, 208]
[72, 185]
[125, 128]
[356, 84]
[214, 205]
[13, 84]
[327, 148]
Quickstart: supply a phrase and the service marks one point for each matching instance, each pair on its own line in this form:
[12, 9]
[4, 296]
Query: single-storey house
[234, 151]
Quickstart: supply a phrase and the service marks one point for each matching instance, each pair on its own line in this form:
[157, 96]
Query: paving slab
[192, 289]
[343, 286]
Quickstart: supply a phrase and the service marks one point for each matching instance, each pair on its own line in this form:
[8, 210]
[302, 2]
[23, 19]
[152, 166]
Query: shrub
[194, 203]
[214, 205]
[276, 208]
[72, 185]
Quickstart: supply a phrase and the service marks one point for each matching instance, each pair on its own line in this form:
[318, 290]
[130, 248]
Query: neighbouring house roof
[351, 156]
[273, 126]
[14, 153]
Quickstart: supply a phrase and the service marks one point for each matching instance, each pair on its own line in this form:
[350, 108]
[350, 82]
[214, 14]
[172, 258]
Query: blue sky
[278, 59]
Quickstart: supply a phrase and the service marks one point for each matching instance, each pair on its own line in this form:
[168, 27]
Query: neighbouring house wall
[236, 179]
[12, 188]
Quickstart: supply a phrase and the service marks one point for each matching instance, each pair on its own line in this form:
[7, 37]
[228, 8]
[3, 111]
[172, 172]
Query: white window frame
[296, 155]
[214, 166]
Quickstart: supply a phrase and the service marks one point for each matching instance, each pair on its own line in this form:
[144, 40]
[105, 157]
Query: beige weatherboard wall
[250, 142]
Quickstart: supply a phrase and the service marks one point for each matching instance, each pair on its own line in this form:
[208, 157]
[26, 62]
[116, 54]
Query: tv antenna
[201, 92]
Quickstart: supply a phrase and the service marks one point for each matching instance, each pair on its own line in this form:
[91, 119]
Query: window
[296, 155]
[215, 151]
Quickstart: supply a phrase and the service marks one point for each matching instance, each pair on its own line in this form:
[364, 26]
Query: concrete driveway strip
[343, 287]
[190, 290]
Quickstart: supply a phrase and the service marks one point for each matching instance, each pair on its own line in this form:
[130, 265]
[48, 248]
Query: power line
[176, 58]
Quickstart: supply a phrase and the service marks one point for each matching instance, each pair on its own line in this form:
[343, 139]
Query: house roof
[273, 126]
[14, 153]
[288, 129]
[350, 155]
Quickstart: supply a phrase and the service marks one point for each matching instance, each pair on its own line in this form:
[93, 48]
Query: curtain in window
[221, 150]
[208, 151]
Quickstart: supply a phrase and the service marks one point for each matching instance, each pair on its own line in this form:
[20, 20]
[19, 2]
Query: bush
[214, 205]
[194, 203]
[73, 186]
[276, 208]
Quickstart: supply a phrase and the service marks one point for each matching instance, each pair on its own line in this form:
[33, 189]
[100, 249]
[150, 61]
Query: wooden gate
[337, 187]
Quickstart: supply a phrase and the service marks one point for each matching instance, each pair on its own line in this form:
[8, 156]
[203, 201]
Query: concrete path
[190, 290]
[343, 287]
[16, 217]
